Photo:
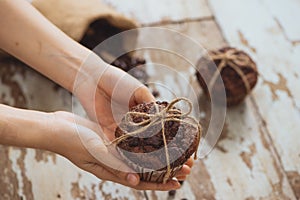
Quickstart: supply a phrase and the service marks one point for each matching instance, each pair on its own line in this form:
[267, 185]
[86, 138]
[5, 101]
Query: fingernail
[132, 179]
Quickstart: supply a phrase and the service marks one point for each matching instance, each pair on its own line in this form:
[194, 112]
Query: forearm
[29, 36]
[23, 128]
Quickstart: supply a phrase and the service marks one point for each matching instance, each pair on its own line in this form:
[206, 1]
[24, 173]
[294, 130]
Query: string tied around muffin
[232, 59]
[169, 113]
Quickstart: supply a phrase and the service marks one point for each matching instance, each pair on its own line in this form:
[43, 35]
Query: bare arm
[21, 128]
[58, 133]
[29, 36]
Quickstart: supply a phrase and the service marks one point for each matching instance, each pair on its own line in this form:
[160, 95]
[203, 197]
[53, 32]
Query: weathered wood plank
[244, 167]
[278, 91]
[257, 144]
[155, 11]
[35, 174]
[204, 32]
[285, 13]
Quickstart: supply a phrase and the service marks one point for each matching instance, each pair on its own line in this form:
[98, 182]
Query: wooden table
[258, 155]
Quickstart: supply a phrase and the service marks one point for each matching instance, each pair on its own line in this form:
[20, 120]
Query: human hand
[107, 93]
[58, 58]
[57, 132]
[108, 101]
[75, 138]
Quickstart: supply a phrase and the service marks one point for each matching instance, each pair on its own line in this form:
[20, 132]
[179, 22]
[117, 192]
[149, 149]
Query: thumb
[127, 179]
[141, 95]
[96, 147]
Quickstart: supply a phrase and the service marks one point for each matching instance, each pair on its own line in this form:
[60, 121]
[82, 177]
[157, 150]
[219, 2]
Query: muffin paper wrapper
[150, 175]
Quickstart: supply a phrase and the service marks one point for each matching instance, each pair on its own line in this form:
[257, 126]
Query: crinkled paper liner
[150, 175]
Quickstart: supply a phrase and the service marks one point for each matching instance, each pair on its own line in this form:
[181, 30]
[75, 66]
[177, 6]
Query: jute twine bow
[231, 59]
[160, 117]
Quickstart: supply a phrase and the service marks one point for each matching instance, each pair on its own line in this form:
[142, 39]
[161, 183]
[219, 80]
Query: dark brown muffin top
[235, 88]
[146, 149]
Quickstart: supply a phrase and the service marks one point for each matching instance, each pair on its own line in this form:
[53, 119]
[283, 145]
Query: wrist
[66, 63]
[22, 128]
[91, 70]
[57, 133]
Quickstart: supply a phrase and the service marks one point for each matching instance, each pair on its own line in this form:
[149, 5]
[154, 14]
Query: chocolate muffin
[237, 71]
[145, 151]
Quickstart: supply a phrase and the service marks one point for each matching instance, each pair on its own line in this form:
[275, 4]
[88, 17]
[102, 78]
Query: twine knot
[231, 58]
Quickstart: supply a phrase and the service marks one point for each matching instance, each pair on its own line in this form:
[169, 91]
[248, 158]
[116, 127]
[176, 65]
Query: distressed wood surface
[264, 36]
[285, 12]
[35, 174]
[258, 154]
[156, 11]
[244, 165]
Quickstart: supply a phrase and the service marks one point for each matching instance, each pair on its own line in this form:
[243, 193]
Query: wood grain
[277, 93]
[242, 158]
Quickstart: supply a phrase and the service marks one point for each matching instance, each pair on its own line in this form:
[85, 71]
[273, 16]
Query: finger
[185, 170]
[98, 171]
[96, 147]
[141, 95]
[190, 162]
[102, 173]
[181, 178]
[125, 177]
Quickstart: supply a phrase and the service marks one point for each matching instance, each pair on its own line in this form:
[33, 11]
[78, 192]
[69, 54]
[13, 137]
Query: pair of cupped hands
[101, 89]
[102, 95]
